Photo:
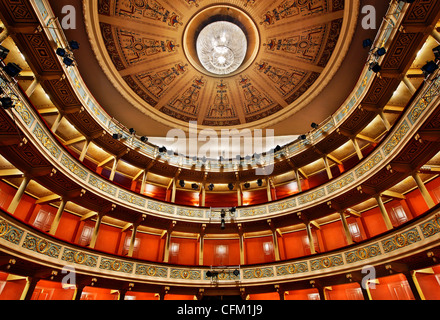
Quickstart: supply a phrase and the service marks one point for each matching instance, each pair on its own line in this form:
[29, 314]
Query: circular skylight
[221, 47]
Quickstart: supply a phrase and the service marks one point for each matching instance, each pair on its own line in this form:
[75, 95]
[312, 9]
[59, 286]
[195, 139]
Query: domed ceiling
[284, 55]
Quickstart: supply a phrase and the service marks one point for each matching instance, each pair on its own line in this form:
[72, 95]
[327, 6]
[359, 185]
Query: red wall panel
[221, 252]
[258, 250]
[333, 236]
[108, 239]
[184, 251]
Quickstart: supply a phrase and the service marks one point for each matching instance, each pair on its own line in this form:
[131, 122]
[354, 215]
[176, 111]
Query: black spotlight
[223, 224]
[162, 150]
[211, 274]
[132, 131]
[277, 148]
[68, 61]
[211, 187]
[429, 68]
[144, 139]
[61, 52]
[117, 136]
[195, 186]
[182, 183]
[315, 125]
[232, 210]
[247, 185]
[74, 45]
[436, 51]
[12, 69]
[375, 67]
[302, 137]
[259, 182]
[231, 186]
[7, 103]
[381, 52]
[367, 43]
[236, 272]
[3, 53]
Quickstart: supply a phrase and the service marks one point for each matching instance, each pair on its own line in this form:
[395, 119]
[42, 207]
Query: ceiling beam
[49, 199]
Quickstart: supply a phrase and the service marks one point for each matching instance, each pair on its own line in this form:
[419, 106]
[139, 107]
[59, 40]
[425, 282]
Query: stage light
[12, 69]
[61, 52]
[182, 183]
[3, 53]
[68, 61]
[74, 45]
[277, 148]
[211, 274]
[302, 137]
[232, 210]
[247, 185]
[315, 125]
[223, 213]
[195, 186]
[381, 52]
[7, 103]
[144, 139]
[231, 186]
[375, 67]
[223, 224]
[367, 43]
[132, 131]
[211, 187]
[429, 68]
[117, 136]
[162, 150]
[259, 182]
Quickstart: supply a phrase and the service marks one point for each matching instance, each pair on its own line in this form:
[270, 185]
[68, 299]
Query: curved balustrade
[38, 134]
[54, 32]
[24, 242]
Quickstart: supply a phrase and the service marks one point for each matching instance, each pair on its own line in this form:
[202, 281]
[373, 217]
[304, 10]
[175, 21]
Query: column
[96, 230]
[18, 195]
[57, 123]
[346, 229]
[409, 85]
[166, 256]
[31, 89]
[269, 192]
[173, 194]
[113, 172]
[298, 180]
[132, 240]
[84, 150]
[412, 284]
[275, 245]
[384, 213]
[310, 237]
[56, 220]
[239, 195]
[29, 289]
[327, 167]
[357, 148]
[241, 243]
[202, 194]
[425, 193]
[144, 182]
[384, 120]
[201, 244]
[78, 292]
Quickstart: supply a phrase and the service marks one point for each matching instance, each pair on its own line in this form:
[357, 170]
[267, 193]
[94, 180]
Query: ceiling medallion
[221, 41]
[221, 47]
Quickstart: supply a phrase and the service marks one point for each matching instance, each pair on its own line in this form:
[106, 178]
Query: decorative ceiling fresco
[148, 50]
